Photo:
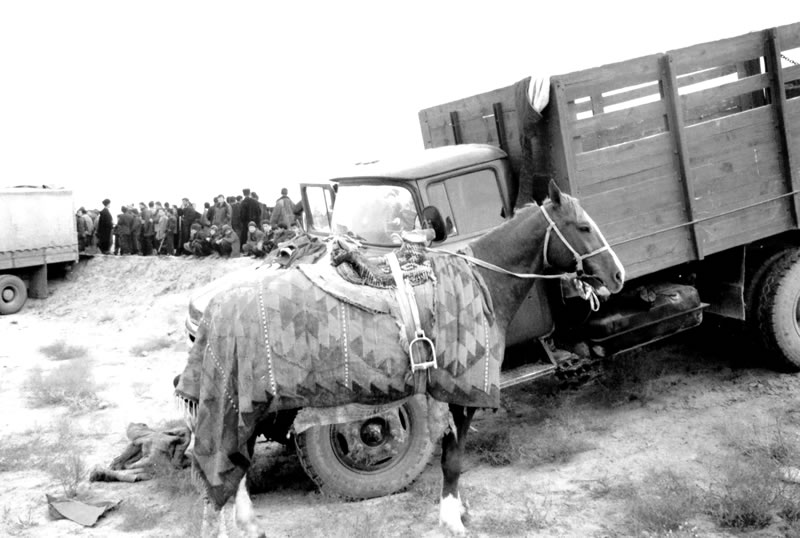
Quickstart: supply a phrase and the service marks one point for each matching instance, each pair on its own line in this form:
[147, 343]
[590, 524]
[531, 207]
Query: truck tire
[369, 458]
[13, 294]
[778, 312]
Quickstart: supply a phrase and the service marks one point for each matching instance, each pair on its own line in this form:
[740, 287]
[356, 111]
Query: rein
[585, 290]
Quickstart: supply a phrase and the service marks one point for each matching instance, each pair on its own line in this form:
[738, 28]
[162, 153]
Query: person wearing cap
[254, 244]
[105, 225]
[228, 244]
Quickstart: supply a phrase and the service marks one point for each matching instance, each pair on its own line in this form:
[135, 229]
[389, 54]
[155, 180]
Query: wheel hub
[8, 294]
[374, 432]
[373, 444]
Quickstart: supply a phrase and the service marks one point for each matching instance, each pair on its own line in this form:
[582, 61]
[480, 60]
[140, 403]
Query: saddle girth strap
[421, 350]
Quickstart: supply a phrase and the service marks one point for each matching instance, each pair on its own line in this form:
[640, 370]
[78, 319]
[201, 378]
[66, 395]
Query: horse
[558, 236]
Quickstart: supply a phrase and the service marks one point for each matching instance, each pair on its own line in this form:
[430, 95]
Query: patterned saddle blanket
[301, 337]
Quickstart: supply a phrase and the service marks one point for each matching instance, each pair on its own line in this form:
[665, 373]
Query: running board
[523, 374]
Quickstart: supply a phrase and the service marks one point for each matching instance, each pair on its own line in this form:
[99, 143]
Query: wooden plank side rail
[778, 92]
[676, 127]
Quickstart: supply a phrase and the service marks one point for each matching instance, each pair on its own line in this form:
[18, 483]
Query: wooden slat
[730, 137]
[743, 120]
[624, 160]
[663, 171]
[725, 91]
[610, 77]
[676, 127]
[723, 52]
[564, 158]
[789, 36]
[637, 207]
[619, 117]
[757, 222]
[791, 73]
[653, 89]
[647, 255]
[778, 91]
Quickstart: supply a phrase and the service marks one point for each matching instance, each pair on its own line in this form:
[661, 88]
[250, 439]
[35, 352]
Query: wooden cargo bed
[677, 156]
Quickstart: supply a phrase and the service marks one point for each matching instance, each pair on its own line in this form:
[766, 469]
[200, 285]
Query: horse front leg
[236, 518]
[451, 508]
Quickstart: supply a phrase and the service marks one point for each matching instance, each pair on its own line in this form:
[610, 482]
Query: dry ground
[679, 439]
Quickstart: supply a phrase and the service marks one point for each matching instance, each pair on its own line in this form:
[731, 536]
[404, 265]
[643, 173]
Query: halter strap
[578, 257]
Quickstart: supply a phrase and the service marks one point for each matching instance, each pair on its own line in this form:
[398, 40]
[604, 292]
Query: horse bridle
[578, 257]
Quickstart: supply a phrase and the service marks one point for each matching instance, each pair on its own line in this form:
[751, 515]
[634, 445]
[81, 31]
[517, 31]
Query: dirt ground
[674, 431]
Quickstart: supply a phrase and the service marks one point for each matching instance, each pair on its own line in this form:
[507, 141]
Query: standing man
[124, 231]
[222, 212]
[283, 212]
[104, 226]
[188, 216]
[249, 210]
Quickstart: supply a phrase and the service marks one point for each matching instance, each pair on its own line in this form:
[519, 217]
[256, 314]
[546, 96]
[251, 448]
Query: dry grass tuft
[62, 351]
[151, 346]
[745, 497]
[138, 516]
[15, 524]
[662, 503]
[70, 384]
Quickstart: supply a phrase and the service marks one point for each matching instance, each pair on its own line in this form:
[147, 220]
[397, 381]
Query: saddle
[374, 271]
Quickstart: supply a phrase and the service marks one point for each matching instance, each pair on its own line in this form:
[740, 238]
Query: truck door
[318, 199]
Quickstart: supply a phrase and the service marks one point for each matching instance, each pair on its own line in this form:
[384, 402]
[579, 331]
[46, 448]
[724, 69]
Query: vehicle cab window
[374, 213]
[469, 203]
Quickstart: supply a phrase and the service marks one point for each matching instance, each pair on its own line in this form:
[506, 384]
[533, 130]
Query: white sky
[155, 100]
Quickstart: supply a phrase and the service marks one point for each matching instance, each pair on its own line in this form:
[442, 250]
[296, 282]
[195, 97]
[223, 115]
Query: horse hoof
[450, 515]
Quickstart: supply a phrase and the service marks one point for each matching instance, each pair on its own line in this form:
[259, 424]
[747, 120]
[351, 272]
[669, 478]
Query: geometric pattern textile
[280, 341]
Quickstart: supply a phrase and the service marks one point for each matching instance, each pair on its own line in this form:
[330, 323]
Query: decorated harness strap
[418, 342]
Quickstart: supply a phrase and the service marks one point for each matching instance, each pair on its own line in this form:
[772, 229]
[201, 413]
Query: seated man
[201, 244]
[228, 243]
[254, 243]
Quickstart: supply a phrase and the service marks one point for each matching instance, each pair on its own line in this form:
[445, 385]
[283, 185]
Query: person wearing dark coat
[105, 225]
[125, 231]
[188, 216]
[284, 211]
[249, 210]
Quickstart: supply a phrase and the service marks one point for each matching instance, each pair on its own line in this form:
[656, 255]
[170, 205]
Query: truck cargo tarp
[281, 342]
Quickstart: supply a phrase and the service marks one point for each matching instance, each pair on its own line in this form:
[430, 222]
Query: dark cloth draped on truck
[303, 337]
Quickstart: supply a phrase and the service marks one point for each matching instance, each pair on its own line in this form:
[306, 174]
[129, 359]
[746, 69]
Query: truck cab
[470, 185]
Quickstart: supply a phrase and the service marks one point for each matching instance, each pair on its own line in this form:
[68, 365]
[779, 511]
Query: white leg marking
[245, 517]
[450, 511]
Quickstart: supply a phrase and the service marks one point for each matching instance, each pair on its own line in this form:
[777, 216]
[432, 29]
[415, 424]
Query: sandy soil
[693, 405]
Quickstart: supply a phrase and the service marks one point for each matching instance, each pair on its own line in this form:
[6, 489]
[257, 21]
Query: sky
[157, 100]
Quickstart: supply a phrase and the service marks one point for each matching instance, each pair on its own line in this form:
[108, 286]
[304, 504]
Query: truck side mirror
[431, 218]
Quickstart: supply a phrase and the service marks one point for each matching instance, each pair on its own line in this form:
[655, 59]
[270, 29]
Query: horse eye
[585, 228]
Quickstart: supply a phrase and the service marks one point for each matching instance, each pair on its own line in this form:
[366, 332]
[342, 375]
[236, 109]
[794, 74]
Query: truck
[688, 162]
[38, 229]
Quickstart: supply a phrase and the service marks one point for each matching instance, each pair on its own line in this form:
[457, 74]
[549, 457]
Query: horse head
[576, 244]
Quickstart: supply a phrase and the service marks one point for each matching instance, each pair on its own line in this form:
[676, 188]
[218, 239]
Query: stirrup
[419, 336]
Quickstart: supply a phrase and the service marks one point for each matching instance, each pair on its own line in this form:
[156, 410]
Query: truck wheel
[13, 294]
[368, 458]
[778, 312]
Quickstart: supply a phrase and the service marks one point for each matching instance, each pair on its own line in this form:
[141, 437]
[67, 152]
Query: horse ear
[554, 193]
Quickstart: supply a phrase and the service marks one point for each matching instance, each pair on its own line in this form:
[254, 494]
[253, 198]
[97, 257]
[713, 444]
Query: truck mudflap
[643, 316]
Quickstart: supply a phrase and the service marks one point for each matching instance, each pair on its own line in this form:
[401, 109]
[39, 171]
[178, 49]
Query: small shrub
[69, 470]
[493, 446]
[554, 444]
[152, 345]
[662, 503]
[15, 524]
[137, 517]
[69, 384]
[61, 351]
[746, 497]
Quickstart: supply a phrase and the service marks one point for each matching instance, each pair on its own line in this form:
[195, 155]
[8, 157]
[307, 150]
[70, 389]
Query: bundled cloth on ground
[303, 337]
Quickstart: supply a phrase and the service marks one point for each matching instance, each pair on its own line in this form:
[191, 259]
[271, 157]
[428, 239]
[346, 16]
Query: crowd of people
[229, 227]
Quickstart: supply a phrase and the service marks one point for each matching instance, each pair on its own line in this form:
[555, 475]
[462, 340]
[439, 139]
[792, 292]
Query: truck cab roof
[423, 164]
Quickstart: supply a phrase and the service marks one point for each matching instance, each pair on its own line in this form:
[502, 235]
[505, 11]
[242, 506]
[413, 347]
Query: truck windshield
[374, 213]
